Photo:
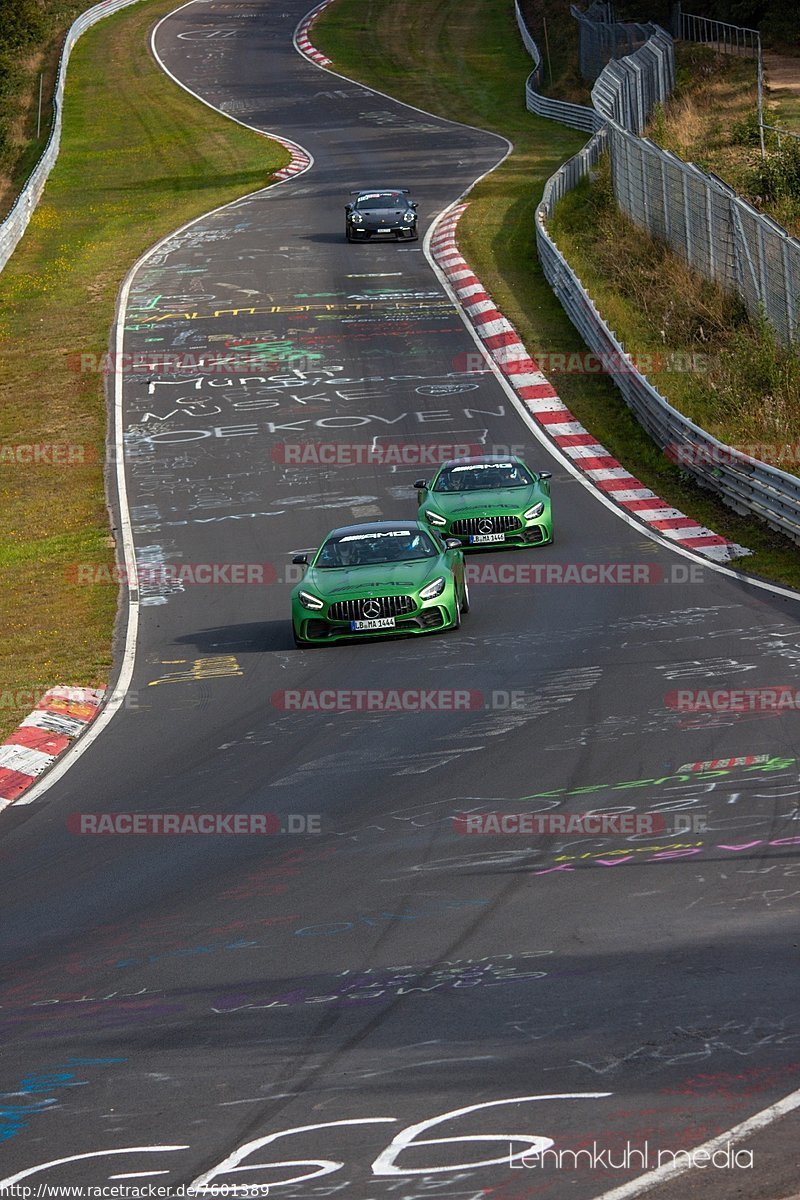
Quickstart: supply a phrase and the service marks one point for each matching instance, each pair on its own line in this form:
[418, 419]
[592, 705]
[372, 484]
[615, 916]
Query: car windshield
[381, 200]
[480, 477]
[381, 546]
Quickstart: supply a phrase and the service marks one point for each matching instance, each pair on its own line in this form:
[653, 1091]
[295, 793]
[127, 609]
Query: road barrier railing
[14, 225]
[744, 483]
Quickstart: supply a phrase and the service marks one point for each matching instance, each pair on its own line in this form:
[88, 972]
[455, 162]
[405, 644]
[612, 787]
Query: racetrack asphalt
[174, 1005]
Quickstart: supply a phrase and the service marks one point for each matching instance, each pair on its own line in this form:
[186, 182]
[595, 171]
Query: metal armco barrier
[576, 116]
[746, 485]
[15, 224]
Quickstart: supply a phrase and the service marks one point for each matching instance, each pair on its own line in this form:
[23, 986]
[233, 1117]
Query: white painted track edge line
[376, 92]
[672, 1170]
[123, 680]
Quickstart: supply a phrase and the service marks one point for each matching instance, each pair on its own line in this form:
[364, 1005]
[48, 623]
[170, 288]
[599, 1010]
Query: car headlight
[536, 511]
[356, 218]
[433, 517]
[309, 601]
[410, 217]
[433, 589]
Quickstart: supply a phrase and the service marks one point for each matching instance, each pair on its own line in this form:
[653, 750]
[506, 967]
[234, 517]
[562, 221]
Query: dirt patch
[782, 72]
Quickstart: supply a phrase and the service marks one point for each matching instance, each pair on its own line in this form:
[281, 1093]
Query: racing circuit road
[324, 1007]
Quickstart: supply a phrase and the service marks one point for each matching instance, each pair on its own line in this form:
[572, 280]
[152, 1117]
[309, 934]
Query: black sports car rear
[381, 214]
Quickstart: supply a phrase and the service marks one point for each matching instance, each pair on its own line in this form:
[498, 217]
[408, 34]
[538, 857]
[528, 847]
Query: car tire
[457, 622]
[465, 600]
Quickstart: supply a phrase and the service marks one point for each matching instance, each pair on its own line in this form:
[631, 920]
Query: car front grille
[473, 525]
[387, 606]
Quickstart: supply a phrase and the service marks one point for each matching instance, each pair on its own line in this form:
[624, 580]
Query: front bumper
[537, 532]
[360, 233]
[430, 616]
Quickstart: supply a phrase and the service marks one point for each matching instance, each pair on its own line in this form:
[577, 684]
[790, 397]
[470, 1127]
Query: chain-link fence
[742, 482]
[704, 220]
[15, 224]
[601, 39]
[577, 116]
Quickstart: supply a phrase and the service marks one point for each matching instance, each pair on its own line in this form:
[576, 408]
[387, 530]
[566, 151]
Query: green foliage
[22, 22]
[777, 177]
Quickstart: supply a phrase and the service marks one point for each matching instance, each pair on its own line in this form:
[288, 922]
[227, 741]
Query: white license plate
[384, 231]
[475, 538]
[376, 623]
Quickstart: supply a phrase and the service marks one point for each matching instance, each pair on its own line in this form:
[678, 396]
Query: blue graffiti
[14, 1116]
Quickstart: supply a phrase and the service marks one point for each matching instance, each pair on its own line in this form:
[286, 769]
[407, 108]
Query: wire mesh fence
[693, 210]
[601, 39]
[702, 218]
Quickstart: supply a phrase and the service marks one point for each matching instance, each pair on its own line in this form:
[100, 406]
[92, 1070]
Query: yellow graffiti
[202, 668]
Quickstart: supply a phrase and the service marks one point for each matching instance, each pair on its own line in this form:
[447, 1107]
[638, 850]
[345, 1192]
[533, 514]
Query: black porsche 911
[387, 213]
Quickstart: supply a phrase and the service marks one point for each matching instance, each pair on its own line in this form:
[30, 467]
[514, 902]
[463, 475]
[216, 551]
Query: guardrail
[733, 39]
[601, 38]
[746, 485]
[576, 116]
[15, 224]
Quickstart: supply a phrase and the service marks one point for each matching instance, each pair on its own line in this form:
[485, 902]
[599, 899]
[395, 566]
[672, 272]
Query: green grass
[463, 59]
[139, 157]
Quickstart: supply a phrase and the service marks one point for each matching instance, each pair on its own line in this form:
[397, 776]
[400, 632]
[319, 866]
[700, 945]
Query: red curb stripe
[37, 739]
[574, 439]
[627, 483]
[604, 463]
[13, 783]
[674, 523]
[555, 418]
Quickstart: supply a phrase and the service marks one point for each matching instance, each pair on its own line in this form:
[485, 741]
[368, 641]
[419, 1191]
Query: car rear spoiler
[360, 191]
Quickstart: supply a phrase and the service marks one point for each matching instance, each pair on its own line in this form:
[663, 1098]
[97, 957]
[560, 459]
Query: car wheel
[457, 622]
[465, 600]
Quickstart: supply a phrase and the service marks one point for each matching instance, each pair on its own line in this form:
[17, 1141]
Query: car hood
[382, 214]
[386, 579]
[494, 500]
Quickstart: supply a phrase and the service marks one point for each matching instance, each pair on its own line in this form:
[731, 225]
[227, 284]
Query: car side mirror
[452, 543]
[413, 204]
[348, 208]
[421, 484]
[545, 474]
[300, 560]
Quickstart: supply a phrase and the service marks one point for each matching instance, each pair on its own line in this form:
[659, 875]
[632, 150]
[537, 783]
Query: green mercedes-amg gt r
[382, 578]
[489, 500]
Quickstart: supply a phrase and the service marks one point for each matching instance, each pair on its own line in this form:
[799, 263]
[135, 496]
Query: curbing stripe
[504, 346]
[303, 42]
[58, 718]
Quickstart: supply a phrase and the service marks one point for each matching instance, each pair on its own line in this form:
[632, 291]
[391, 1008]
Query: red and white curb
[302, 40]
[60, 716]
[301, 160]
[504, 346]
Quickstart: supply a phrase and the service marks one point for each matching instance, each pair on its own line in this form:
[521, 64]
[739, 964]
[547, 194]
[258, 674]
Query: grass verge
[138, 158]
[711, 119]
[463, 59]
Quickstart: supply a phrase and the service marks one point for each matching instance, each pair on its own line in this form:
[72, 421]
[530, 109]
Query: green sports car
[381, 578]
[488, 501]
